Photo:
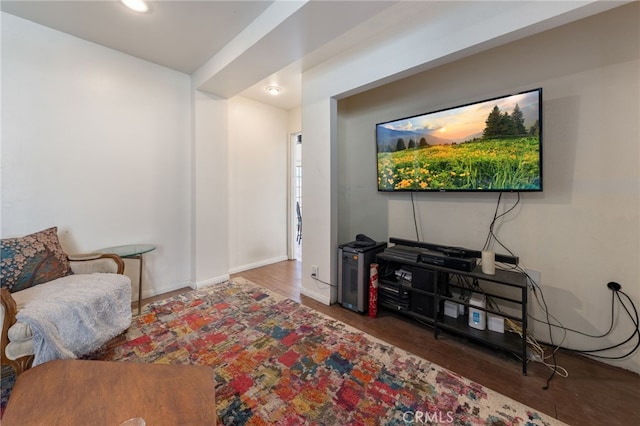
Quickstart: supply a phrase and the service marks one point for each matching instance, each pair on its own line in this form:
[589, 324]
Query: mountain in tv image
[390, 140]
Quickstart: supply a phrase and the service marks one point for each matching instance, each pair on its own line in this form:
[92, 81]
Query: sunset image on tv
[492, 145]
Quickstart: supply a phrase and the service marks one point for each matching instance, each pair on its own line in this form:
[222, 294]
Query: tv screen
[491, 145]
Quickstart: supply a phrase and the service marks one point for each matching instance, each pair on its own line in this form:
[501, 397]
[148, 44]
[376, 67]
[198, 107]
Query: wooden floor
[593, 394]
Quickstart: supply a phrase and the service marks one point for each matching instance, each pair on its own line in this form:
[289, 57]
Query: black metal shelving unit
[510, 342]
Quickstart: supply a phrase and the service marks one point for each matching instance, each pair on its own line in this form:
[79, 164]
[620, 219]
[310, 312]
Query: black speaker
[426, 280]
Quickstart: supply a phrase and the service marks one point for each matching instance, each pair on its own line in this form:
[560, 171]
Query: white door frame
[292, 219]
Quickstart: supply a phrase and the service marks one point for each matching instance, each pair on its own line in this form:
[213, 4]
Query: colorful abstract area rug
[277, 362]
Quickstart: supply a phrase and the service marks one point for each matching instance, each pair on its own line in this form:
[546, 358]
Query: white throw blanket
[75, 315]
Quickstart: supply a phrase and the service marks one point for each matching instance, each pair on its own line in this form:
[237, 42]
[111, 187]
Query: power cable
[491, 234]
[415, 221]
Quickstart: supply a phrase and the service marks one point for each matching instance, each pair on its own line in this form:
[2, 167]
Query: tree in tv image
[492, 145]
[503, 125]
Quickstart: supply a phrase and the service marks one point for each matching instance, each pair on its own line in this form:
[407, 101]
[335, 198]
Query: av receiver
[439, 259]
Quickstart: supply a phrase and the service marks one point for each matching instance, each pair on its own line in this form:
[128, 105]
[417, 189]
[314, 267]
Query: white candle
[488, 262]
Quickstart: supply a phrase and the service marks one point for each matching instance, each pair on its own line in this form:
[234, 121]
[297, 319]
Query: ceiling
[180, 35]
[234, 47]
[240, 47]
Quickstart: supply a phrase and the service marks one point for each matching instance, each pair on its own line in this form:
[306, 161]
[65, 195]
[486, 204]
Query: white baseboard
[210, 281]
[265, 262]
[151, 292]
[146, 293]
[321, 297]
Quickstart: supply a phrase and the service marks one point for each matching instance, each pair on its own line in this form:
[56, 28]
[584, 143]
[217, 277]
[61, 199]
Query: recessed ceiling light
[137, 5]
[273, 90]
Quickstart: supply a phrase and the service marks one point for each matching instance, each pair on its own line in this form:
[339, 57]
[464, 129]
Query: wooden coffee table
[76, 392]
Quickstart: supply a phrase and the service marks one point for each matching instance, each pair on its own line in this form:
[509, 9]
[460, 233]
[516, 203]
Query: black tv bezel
[473, 191]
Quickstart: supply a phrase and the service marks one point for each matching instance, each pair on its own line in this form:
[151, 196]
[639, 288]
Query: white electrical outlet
[314, 271]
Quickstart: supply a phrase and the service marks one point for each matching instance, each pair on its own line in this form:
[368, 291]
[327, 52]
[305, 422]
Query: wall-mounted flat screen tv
[492, 145]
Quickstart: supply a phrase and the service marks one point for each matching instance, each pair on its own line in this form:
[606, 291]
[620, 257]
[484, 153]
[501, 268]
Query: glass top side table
[132, 251]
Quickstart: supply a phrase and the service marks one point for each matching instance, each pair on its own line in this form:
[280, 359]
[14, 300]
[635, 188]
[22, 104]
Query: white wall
[319, 194]
[582, 232]
[442, 39]
[97, 143]
[257, 163]
[355, 186]
[115, 150]
[295, 120]
[210, 191]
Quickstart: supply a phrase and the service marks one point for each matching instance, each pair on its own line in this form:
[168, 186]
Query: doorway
[295, 197]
